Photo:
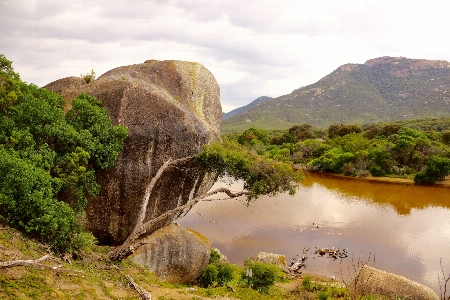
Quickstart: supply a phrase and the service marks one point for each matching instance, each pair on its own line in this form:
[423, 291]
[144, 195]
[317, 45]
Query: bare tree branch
[127, 247]
[283, 181]
[29, 262]
[141, 291]
[148, 192]
[35, 263]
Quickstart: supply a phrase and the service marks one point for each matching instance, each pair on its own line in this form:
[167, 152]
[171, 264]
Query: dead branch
[444, 283]
[35, 263]
[141, 291]
[25, 263]
[148, 192]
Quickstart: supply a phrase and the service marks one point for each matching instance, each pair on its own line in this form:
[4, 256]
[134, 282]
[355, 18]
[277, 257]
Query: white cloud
[254, 48]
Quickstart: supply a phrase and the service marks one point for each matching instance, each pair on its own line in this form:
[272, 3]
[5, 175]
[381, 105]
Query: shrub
[82, 242]
[225, 273]
[322, 295]
[88, 77]
[446, 137]
[421, 177]
[49, 158]
[27, 201]
[348, 169]
[376, 171]
[216, 272]
[263, 275]
[437, 169]
[209, 275]
[333, 160]
[308, 285]
[363, 173]
[214, 256]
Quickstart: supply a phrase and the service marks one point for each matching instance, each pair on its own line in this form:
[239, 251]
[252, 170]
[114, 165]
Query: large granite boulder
[172, 108]
[173, 253]
[371, 281]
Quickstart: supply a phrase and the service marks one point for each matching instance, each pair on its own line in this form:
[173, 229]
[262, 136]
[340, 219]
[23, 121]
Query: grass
[96, 277]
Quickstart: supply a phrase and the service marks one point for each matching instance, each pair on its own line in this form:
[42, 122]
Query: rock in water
[172, 109]
[175, 254]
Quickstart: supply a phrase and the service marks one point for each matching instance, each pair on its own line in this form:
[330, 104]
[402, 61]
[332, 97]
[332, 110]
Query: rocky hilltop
[381, 89]
[172, 108]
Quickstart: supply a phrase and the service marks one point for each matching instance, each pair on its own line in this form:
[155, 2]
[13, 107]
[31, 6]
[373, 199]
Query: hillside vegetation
[380, 90]
[416, 149]
[243, 108]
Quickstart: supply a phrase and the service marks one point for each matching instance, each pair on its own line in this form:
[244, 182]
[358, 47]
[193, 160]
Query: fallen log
[141, 291]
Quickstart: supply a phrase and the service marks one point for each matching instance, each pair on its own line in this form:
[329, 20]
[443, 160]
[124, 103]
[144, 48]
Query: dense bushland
[49, 158]
[390, 149]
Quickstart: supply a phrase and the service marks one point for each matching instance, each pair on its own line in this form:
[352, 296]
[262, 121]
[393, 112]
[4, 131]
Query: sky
[253, 48]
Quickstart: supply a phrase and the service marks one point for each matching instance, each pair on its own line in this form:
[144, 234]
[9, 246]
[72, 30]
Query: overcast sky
[253, 47]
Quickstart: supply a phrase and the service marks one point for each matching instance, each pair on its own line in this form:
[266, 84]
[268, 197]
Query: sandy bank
[389, 180]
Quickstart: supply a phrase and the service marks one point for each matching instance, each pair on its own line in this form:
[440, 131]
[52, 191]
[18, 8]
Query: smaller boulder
[371, 281]
[271, 258]
[174, 253]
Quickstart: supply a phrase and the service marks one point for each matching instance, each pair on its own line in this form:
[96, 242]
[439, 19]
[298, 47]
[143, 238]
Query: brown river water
[402, 229]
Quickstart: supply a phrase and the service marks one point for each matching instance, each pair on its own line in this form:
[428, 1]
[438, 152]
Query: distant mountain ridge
[243, 108]
[381, 89]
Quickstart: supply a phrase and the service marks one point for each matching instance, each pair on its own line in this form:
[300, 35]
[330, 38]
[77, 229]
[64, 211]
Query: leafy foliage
[49, 159]
[216, 272]
[88, 77]
[209, 275]
[263, 275]
[436, 170]
[261, 175]
[385, 149]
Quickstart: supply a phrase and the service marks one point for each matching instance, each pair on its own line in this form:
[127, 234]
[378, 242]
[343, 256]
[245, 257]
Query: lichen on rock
[174, 254]
[168, 117]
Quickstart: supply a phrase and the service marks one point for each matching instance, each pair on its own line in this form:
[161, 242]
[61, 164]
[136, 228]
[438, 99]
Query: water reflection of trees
[402, 197]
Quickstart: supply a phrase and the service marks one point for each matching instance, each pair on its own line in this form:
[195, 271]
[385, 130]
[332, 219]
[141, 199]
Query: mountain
[243, 108]
[381, 89]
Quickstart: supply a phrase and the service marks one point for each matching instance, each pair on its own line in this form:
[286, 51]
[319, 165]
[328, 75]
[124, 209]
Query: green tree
[261, 175]
[333, 160]
[390, 129]
[333, 130]
[437, 169]
[49, 159]
[302, 132]
[379, 152]
[253, 133]
[446, 137]
[350, 128]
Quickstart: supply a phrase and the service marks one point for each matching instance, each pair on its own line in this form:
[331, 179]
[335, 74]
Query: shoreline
[387, 180]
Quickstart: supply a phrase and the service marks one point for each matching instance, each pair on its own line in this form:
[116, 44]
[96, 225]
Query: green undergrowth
[94, 276]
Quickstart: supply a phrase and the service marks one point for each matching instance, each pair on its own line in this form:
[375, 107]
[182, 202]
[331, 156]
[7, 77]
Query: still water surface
[398, 228]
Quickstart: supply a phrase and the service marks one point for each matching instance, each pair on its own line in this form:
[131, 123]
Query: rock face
[370, 281]
[271, 258]
[172, 108]
[174, 253]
